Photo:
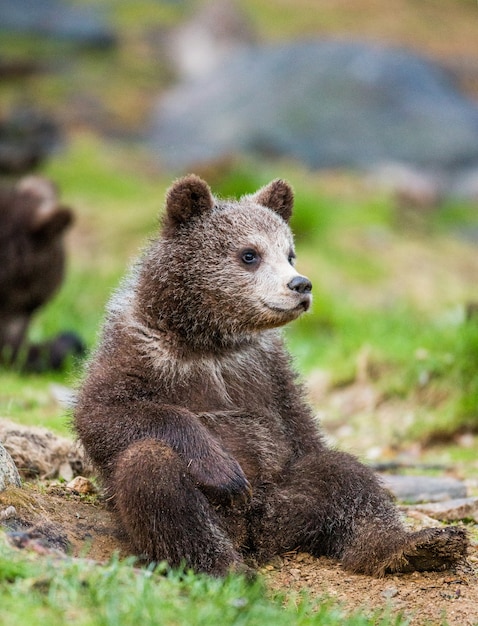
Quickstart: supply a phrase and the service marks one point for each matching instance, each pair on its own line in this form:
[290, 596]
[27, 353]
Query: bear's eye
[250, 256]
[291, 257]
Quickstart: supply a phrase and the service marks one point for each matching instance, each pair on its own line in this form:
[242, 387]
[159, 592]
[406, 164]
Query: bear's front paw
[221, 479]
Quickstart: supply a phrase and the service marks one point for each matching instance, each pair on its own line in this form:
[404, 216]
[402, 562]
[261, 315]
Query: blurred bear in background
[32, 261]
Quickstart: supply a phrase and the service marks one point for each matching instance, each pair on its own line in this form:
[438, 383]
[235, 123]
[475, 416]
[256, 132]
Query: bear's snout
[301, 284]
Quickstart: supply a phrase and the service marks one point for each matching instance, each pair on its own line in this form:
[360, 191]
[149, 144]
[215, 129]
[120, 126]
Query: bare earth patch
[86, 522]
[424, 598]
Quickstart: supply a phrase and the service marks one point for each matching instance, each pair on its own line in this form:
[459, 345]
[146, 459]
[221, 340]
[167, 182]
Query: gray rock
[451, 510]
[325, 103]
[77, 23]
[423, 488]
[8, 513]
[9, 475]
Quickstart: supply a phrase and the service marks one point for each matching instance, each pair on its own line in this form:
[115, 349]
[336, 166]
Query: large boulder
[325, 103]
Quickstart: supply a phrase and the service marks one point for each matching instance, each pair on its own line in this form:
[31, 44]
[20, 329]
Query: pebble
[81, 485]
[389, 592]
[9, 513]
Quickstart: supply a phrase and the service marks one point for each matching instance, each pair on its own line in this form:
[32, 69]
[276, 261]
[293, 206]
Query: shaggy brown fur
[32, 225]
[192, 414]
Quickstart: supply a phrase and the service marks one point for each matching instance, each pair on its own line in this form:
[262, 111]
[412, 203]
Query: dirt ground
[424, 598]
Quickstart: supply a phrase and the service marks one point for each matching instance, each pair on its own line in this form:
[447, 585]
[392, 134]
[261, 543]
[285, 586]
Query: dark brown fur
[193, 416]
[32, 225]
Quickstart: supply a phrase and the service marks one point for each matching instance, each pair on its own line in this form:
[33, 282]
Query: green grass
[32, 400]
[116, 594]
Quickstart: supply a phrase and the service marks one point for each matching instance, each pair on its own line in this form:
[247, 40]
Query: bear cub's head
[223, 269]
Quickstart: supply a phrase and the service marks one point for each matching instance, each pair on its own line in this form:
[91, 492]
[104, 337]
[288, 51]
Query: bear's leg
[333, 505]
[165, 516]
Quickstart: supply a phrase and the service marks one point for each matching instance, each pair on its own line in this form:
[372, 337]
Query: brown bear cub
[193, 416]
[32, 259]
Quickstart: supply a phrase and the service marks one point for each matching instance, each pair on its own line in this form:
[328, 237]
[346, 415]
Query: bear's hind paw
[431, 549]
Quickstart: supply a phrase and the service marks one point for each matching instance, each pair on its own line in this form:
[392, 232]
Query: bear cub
[191, 412]
[32, 259]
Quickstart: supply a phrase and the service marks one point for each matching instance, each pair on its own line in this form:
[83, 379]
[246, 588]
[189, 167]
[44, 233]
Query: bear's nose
[301, 284]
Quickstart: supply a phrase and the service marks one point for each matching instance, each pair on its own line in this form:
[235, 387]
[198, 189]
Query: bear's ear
[188, 197]
[278, 196]
[48, 220]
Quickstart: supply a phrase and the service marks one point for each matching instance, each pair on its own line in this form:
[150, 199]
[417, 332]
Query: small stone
[9, 513]
[81, 485]
[9, 475]
[294, 572]
[389, 592]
